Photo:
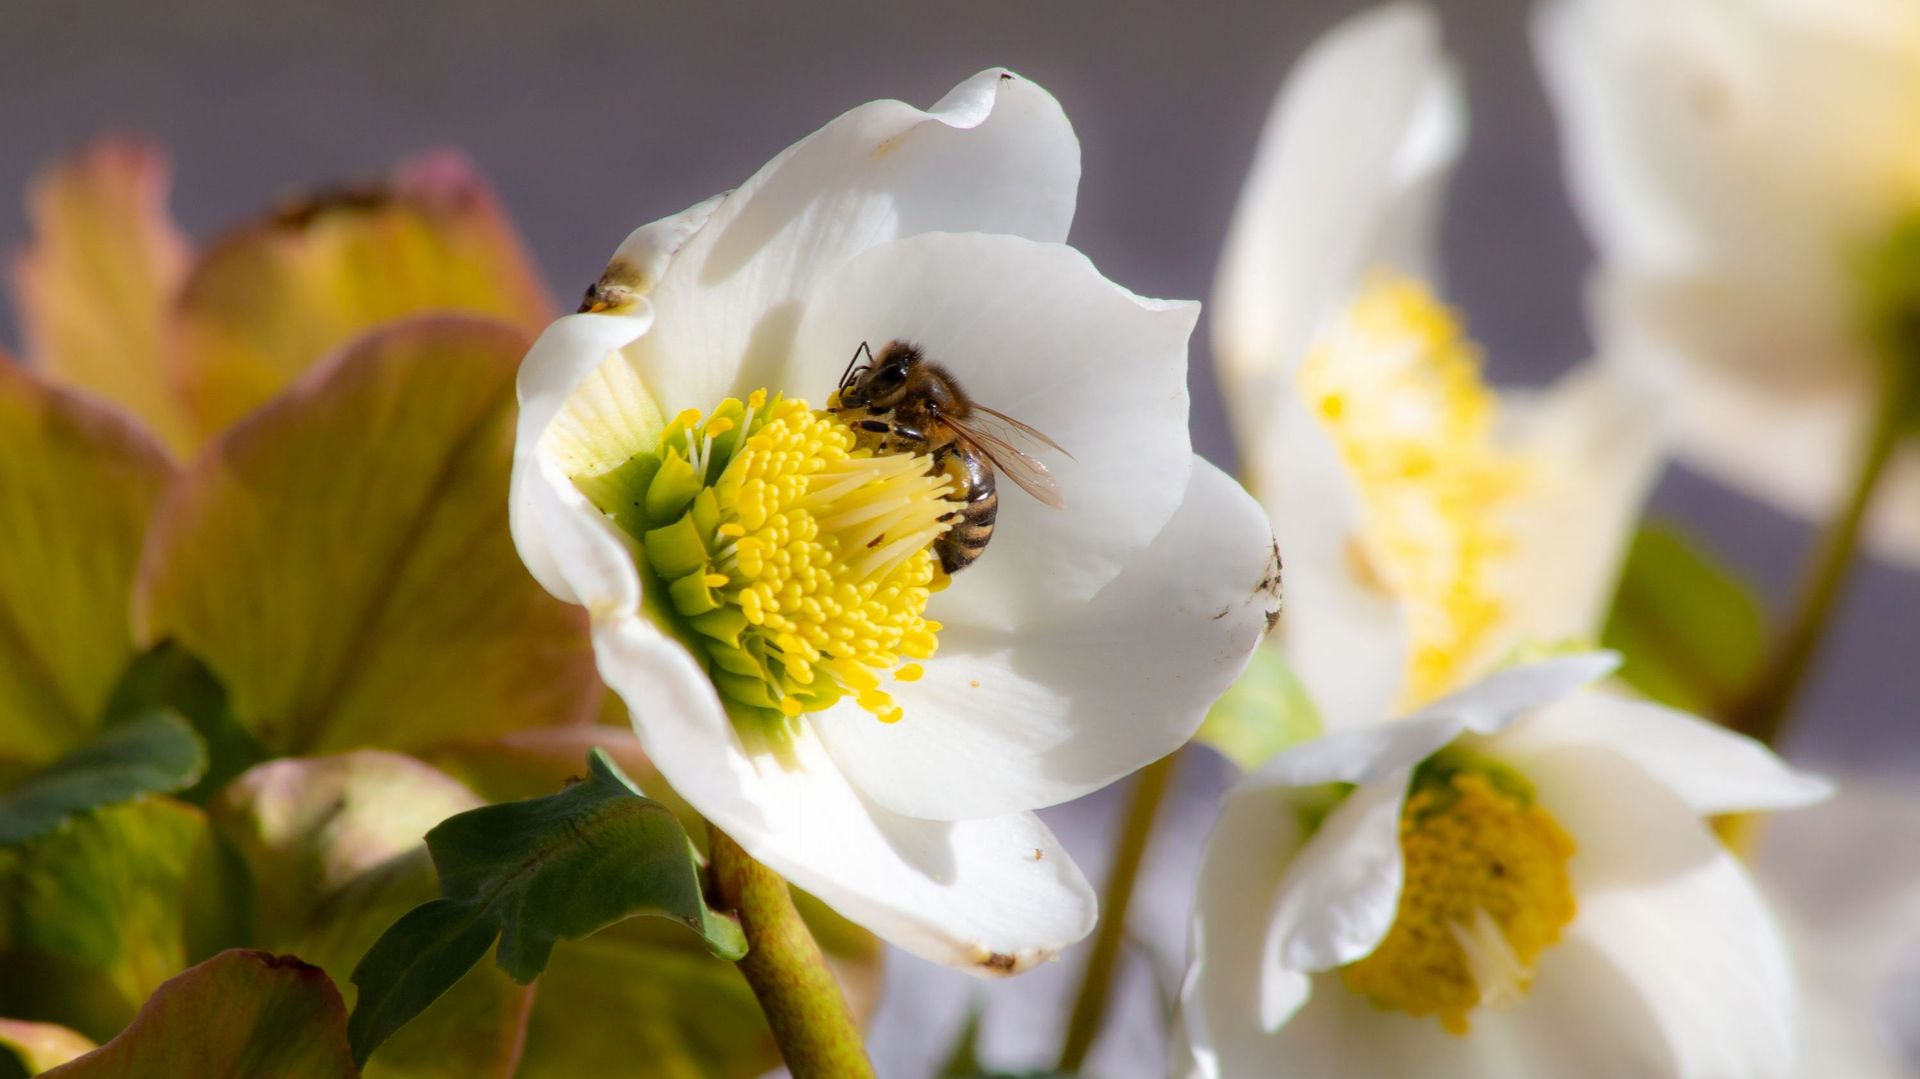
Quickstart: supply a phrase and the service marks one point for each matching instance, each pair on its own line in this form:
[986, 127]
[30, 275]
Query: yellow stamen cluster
[1486, 892]
[802, 562]
[1399, 389]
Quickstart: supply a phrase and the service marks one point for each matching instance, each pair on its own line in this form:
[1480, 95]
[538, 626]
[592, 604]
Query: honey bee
[901, 401]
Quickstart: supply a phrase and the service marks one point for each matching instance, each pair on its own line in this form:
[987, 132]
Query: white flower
[794, 676]
[1429, 525]
[1515, 880]
[1735, 164]
[1845, 877]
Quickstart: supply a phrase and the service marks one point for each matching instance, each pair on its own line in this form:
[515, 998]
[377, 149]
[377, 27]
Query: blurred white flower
[1515, 880]
[1430, 526]
[763, 594]
[1735, 162]
[1845, 877]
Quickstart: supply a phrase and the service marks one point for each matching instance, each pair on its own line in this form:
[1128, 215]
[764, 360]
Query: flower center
[1486, 892]
[1399, 389]
[800, 562]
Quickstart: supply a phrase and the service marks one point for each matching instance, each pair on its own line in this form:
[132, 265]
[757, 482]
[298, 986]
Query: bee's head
[881, 381]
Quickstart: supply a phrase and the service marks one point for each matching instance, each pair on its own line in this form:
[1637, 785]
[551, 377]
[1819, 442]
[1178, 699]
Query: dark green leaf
[535, 872]
[155, 753]
[1690, 632]
[168, 676]
[239, 1014]
[420, 957]
[1265, 711]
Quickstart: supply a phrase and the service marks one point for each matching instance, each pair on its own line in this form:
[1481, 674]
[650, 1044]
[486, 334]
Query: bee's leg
[886, 436]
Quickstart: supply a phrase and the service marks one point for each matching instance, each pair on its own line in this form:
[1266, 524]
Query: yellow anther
[827, 559]
[1486, 891]
[687, 417]
[911, 672]
[1399, 388]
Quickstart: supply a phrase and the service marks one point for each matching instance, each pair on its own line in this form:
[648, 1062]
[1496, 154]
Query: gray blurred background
[592, 117]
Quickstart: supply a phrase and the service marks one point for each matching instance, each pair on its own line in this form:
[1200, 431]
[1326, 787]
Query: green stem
[1096, 985]
[803, 1004]
[1763, 709]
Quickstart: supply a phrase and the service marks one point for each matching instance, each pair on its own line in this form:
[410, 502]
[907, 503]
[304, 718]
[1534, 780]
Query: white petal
[1338, 897]
[1711, 769]
[1672, 913]
[996, 155]
[1847, 876]
[1246, 856]
[1370, 752]
[1346, 179]
[566, 543]
[992, 896]
[1594, 442]
[1006, 721]
[1345, 634]
[1034, 331]
[1496, 701]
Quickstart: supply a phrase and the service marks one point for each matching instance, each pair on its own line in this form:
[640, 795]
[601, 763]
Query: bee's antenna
[844, 375]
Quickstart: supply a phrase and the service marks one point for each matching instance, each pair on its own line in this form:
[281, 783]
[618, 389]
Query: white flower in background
[1845, 877]
[762, 591]
[1735, 163]
[1513, 881]
[1429, 525]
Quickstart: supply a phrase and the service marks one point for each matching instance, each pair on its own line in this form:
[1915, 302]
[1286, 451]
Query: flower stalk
[811, 1022]
[1763, 710]
[1096, 985]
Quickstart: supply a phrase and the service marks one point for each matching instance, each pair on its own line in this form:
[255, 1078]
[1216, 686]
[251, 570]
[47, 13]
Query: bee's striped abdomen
[967, 539]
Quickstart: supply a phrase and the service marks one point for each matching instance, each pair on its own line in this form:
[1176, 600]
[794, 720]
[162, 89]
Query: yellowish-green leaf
[96, 914]
[238, 1015]
[342, 562]
[1690, 633]
[274, 298]
[78, 484]
[687, 1014]
[39, 1046]
[1264, 712]
[97, 282]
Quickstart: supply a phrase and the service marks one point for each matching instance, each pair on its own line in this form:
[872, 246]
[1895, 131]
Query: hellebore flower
[1747, 174]
[1514, 880]
[761, 581]
[1430, 524]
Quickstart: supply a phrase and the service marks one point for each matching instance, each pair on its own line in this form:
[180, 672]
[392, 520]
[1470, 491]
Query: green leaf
[34, 1047]
[535, 872]
[156, 753]
[168, 676]
[78, 484]
[370, 503]
[1689, 631]
[237, 1015]
[1264, 712]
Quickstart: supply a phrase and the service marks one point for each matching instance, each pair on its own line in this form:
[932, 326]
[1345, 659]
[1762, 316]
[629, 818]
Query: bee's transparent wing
[1010, 430]
[1011, 461]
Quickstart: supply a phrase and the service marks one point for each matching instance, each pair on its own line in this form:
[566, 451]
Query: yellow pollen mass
[1398, 388]
[1486, 892]
[802, 563]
